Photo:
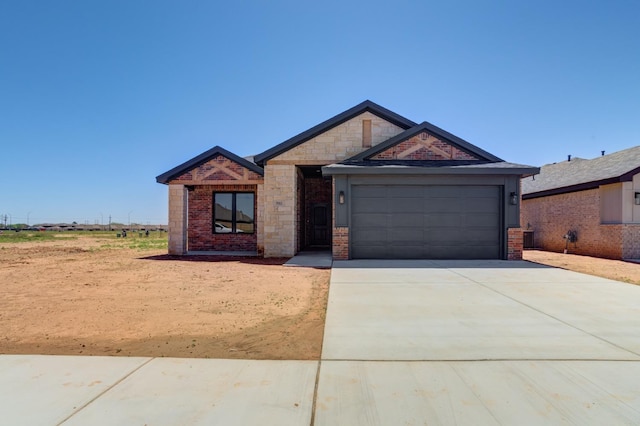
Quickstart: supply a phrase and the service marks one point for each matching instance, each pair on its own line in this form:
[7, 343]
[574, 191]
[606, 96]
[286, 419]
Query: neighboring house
[597, 200]
[367, 183]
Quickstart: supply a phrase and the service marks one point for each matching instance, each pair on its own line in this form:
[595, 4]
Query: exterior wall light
[341, 197]
[513, 198]
[636, 200]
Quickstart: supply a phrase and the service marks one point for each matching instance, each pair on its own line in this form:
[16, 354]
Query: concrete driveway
[491, 342]
[406, 343]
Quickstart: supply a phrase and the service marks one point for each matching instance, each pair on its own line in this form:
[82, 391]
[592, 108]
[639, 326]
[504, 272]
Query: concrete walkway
[321, 259]
[406, 342]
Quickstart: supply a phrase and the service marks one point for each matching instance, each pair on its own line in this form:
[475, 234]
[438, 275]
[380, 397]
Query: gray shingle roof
[579, 174]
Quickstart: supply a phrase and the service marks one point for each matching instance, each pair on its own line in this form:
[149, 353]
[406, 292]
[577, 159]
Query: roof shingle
[580, 174]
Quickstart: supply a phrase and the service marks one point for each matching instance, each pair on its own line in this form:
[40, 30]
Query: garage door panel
[406, 205]
[438, 222]
[441, 191]
[447, 236]
[369, 205]
[369, 191]
[371, 251]
[457, 252]
[479, 191]
[444, 205]
[481, 236]
[404, 220]
[443, 219]
[482, 219]
[406, 252]
[403, 236]
[369, 236]
[405, 191]
[481, 205]
[371, 220]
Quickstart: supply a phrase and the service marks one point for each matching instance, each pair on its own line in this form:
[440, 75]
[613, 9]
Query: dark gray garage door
[425, 222]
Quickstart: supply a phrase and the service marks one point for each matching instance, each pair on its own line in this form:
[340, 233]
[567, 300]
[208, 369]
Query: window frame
[234, 223]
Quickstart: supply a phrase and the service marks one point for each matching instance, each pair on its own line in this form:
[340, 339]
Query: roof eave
[625, 177]
[340, 169]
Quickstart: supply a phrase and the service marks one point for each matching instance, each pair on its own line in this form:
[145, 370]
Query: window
[233, 213]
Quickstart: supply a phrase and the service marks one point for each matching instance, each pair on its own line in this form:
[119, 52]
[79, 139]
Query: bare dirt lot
[98, 296]
[613, 269]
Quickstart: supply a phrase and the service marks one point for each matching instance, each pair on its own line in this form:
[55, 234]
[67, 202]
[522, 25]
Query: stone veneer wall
[177, 219]
[551, 217]
[341, 142]
[280, 193]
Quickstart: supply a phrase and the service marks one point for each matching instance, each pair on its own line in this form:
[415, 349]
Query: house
[367, 183]
[589, 207]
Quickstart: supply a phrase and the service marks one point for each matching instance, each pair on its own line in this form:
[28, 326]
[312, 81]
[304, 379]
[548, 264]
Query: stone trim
[178, 204]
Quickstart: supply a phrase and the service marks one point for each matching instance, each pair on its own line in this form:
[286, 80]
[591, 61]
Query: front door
[320, 225]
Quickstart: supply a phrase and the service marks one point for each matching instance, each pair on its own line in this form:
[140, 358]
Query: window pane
[244, 213]
[223, 211]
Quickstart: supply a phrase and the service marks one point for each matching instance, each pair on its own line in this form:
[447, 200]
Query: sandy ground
[613, 269]
[78, 297]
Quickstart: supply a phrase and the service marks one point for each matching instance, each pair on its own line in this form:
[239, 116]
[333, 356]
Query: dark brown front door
[320, 225]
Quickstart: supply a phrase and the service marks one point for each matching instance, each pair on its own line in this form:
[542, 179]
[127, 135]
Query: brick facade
[551, 217]
[200, 233]
[423, 147]
[218, 174]
[218, 169]
[340, 246]
[514, 243]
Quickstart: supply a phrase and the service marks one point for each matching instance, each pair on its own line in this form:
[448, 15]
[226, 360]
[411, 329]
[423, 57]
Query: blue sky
[99, 97]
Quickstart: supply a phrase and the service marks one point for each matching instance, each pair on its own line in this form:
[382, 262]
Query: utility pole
[109, 222]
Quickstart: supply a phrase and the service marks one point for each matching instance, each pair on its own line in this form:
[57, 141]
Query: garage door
[425, 222]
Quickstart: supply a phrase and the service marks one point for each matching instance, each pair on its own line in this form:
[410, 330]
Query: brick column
[340, 243]
[177, 219]
[515, 243]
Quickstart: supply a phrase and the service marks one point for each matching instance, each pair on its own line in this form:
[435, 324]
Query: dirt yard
[92, 296]
[627, 272]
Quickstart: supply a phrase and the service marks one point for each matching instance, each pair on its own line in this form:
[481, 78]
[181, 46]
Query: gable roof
[434, 130]
[580, 174]
[366, 106]
[203, 158]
